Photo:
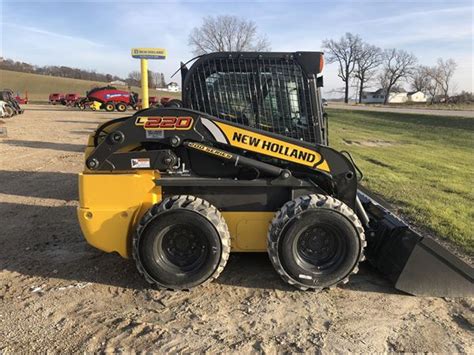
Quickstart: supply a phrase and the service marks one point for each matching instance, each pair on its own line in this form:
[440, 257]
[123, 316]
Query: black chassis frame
[166, 148]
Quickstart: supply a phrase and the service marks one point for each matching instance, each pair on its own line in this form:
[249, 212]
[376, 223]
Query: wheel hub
[317, 245]
[183, 247]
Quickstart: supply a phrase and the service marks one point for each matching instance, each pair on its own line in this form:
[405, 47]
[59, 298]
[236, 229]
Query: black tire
[109, 106]
[161, 245]
[121, 107]
[9, 111]
[315, 242]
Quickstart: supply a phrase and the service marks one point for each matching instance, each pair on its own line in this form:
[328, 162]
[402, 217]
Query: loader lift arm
[139, 138]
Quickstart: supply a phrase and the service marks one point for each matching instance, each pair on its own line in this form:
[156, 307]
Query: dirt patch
[369, 143]
[59, 294]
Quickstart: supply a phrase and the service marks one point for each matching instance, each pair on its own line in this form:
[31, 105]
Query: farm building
[373, 97]
[174, 87]
[396, 96]
[118, 83]
[416, 96]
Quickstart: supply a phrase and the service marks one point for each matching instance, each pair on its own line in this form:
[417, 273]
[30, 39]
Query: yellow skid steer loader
[243, 164]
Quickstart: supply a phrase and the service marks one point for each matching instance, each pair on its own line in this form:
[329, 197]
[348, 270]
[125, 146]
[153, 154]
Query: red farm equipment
[152, 101]
[110, 98]
[70, 99]
[22, 100]
[164, 100]
[56, 98]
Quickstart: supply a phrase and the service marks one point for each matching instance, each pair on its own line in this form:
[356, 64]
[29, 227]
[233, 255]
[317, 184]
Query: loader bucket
[414, 264]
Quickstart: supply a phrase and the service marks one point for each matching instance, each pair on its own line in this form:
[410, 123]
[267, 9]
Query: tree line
[368, 64]
[358, 62]
[155, 79]
[59, 71]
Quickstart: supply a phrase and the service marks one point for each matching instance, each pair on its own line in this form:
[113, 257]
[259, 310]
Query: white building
[174, 87]
[395, 97]
[118, 83]
[416, 96]
[373, 97]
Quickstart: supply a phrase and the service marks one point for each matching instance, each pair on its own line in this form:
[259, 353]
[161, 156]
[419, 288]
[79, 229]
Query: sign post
[144, 54]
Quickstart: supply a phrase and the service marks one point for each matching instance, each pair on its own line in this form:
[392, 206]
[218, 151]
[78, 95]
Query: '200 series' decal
[164, 122]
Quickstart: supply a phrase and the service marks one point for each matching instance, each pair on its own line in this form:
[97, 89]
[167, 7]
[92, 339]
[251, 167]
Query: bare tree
[226, 33]
[156, 79]
[151, 80]
[134, 78]
[445, 71]
[162, 81]
[344, 52]
[420, 78]
[368, 58]
[432, 86]
[397, 64]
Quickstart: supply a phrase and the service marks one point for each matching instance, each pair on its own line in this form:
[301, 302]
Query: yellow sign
[144, 54]
[149, 53]
[273, 147]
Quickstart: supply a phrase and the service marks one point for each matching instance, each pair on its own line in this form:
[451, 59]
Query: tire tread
[290, 210]
[190, 203]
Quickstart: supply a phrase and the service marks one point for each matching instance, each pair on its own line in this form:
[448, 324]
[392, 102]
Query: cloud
[443, 33]
[51, 34]
[413, 16]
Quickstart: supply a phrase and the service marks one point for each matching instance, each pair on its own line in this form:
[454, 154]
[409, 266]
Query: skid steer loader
[243, 164]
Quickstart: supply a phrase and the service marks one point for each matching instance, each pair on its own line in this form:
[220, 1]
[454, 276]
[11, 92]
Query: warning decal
[140, 163]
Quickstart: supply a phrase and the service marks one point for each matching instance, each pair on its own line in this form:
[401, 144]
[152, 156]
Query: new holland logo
[273, 147]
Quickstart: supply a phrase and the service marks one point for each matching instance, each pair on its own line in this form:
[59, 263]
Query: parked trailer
[152, 101]
[22, 100]
[70, 99]
[56, 98]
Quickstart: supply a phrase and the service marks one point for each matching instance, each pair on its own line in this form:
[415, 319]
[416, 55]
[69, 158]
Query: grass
[468, 106]
[436, 106]
[423, 164]
[40, 86]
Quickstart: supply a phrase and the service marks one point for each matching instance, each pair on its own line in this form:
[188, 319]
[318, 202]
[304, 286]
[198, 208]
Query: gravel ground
[59, 294]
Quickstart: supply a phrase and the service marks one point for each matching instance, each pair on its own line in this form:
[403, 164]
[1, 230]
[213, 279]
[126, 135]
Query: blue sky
[99, 34]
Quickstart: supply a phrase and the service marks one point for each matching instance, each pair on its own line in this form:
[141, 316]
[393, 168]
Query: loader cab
[276, 92]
